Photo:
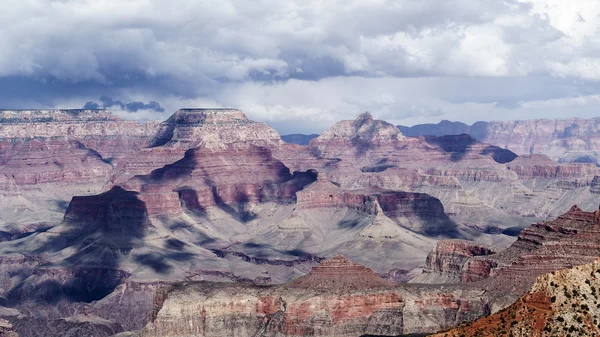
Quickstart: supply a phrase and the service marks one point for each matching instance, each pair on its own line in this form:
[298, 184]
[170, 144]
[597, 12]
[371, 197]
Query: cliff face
[190, 128]
[567, 241]
[338, 298]
[235, 175]
[570, 140]
[107, 134]
[48, 156]
[452, 261]
[559, 303]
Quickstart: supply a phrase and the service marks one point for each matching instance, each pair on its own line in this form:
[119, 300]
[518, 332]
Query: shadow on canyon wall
[96, 234]
[460, 145]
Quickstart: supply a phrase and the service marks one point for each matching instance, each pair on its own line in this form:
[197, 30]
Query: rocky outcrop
[569, 140]
[6, 329]
[559, 303]
[190, 128]
[567, 241]
[338, 298]
[236, 175]
[452, 261]
[339, 274]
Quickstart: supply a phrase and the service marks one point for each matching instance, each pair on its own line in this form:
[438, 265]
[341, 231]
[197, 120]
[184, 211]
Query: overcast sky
[301, 65]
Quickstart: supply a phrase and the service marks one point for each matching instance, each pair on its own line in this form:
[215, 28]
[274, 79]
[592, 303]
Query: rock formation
[481, 186]
[48, 156]
[561, 303]
[6, 329]
[338, 298]
[567, 241]
[452, 261]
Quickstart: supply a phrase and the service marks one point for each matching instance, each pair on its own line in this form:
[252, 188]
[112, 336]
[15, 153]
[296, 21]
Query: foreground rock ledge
[338, 298]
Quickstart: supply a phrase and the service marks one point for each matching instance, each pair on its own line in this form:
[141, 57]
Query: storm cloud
[361, 54]
[108, 103]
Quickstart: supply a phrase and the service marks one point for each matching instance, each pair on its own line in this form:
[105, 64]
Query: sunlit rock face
[193, 126]
[337, 298]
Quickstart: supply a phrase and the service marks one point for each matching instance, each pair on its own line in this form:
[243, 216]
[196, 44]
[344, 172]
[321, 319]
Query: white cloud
[289, 61]
[79, 40]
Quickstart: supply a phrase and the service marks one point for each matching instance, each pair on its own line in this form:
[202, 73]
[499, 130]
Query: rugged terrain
[101, 217]
[567, 241]
[338, 298]
[569, 140]
[561, 303]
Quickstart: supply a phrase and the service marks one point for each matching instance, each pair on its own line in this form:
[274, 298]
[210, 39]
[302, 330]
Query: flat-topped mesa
[67, 146]
[190, 127]
[56, 116]
[340, 274]
[209, 116]
[72, 123]
[363, 127]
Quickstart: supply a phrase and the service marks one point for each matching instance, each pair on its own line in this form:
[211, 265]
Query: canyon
[522, 290]
[109, 226]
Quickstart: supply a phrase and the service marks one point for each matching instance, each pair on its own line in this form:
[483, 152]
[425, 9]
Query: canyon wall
[569, 140]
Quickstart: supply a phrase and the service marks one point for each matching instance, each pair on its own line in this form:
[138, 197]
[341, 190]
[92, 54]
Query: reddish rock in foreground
[339, 298]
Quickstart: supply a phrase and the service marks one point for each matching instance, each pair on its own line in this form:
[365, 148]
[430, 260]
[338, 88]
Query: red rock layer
[189, 128]
[569, 240]
[340, 274]
[40, 161]
[338, 298]
[236, 174]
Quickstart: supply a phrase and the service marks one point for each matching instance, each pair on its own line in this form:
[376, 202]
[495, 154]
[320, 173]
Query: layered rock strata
[452, 261]
[567, 241]
[338, 298]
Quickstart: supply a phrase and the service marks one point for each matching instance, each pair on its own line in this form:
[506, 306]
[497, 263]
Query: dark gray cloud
[108, 103]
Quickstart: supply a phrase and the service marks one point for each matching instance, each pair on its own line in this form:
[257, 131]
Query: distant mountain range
[574, 140]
